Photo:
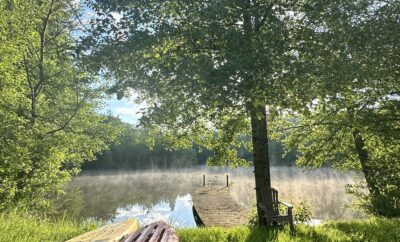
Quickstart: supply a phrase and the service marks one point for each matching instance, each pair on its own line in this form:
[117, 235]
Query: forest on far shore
[132, 151]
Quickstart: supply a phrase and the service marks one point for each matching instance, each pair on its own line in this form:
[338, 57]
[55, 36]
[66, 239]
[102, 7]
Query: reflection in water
[152, 195]
[180, 216]
[105, 193]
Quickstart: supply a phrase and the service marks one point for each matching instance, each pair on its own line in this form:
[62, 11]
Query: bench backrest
[275, 201]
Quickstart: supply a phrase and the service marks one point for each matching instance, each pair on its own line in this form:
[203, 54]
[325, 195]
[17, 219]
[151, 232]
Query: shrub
[382, 204]
[252, 218]
[302, 212]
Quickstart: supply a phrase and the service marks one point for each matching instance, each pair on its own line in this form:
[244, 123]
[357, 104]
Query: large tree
[354, 109]
[200, 66]
[48, 119]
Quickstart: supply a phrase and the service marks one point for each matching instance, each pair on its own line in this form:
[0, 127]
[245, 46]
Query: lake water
[166, 194]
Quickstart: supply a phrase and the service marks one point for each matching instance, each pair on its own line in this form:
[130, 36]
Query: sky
[126, 109]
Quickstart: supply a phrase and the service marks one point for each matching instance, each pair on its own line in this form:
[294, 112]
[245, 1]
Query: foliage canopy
[354, 108]
[48, 119]
[202, 65]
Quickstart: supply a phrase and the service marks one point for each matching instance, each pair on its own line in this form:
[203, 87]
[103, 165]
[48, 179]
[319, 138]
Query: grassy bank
[15, 227]
[356, 230]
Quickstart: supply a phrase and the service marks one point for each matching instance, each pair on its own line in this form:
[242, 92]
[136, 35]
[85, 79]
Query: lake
[166, 194]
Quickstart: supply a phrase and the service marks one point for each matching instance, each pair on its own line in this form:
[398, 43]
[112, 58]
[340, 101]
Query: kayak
[109, 233]
[155, 232]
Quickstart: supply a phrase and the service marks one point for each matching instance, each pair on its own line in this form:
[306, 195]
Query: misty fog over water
[151, 195]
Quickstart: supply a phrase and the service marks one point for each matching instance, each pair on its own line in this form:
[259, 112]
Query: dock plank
[216, 207]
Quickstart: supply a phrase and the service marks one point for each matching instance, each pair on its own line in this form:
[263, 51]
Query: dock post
[227, 180]
[204, 180]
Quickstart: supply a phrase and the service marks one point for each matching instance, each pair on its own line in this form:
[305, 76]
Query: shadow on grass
[262, 234]
[385, 230]
[369, 230]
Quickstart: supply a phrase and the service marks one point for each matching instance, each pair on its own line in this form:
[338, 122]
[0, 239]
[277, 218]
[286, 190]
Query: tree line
[131, 151]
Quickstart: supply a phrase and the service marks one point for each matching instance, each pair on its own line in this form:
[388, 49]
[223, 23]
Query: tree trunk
[258, 122]
[261, 162]
[363, 156]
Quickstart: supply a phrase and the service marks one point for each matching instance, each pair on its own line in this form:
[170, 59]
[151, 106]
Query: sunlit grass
[16, 227]
[355, 230]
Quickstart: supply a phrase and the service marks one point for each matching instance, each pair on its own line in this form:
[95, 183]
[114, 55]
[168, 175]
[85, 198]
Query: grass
[373, 229]
[17, 227]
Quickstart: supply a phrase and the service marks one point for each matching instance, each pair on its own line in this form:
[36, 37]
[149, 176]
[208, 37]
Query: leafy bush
[252, 218]
[385, 203]
[302, 212]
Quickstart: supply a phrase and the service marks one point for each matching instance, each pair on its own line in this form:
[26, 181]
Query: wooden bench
[154, 232]
[275, 217]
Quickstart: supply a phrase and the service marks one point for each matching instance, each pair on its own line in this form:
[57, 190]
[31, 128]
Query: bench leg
[290, 215]
[291, 226]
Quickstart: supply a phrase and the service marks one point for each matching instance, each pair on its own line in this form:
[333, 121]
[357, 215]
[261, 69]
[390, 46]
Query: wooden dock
[216, 207]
